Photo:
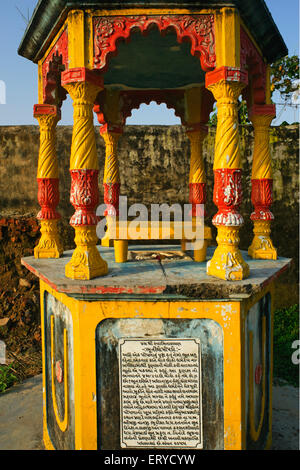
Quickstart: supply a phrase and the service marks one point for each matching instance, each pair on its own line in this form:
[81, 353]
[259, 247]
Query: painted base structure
[157, 354]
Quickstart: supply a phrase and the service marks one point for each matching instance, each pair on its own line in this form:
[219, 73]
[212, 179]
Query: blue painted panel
[108, 334]
[62, 320]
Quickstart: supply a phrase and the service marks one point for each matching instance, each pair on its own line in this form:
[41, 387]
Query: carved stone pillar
[83, 87]
[111, 180]
[197, 179]
[262, 183]
[49, 245]
[227, 262]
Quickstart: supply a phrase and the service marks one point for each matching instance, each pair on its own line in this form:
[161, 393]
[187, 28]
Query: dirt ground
[21, 417]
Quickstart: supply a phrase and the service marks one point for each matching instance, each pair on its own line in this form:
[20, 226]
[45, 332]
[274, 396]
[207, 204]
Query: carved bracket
[54, 64]
[199, 29]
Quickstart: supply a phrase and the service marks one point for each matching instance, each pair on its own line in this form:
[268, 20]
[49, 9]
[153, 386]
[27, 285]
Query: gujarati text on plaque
[160, 393]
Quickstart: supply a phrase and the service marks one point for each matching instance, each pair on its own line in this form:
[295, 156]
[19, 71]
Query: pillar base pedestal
[86, 262]
[49, 245]
[262, 246]
[227, 262]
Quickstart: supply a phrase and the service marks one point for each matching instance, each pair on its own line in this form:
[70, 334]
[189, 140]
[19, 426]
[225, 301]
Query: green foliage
[7, 377]
[242, 114]
[284, 76]
[286, 331]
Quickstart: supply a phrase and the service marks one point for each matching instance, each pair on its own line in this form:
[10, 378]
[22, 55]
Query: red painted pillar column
[227, 262]
[262, 183]
[49, 245]
[83, 86]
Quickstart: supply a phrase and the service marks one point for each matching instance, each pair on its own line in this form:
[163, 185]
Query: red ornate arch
[54, 64]
[199, 29]
[132, 99]
[257, 69]
[173, 99]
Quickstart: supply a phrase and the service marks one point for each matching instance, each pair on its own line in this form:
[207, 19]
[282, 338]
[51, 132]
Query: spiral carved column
[197, 182]
[197, 178]
[111, 184]
[111, 180]
[86, 263]
[227, 262]
[49, 245]
[262, 184]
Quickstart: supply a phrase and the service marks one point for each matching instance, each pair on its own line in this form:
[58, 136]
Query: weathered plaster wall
[154, 167]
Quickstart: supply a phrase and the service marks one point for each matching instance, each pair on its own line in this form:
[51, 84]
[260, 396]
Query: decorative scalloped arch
[173, 99]
[199, 29]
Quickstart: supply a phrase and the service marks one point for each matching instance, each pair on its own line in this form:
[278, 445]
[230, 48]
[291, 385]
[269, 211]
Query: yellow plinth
[86, 262]
[49, 245]
[262, 246]
[227, 262]
[71, 334]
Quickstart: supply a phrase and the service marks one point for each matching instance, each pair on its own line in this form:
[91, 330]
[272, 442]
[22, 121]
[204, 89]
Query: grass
[20, 368]
[7, 377]
[286, 331]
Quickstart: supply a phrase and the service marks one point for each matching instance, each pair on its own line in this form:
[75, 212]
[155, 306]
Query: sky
[20, 75]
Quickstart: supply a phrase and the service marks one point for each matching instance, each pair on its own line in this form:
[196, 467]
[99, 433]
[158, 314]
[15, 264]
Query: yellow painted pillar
[198, 106]
[227, 263]
[197, 178]
[83, 87]
[111, 183]
[262, 183]
[197, 181]
[227, 37]
[111, 180]
[49, 245]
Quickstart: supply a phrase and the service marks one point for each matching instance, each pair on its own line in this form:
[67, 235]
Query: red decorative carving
[230, 74]
[59, 372]
[48, 197]
[254, 63]
[198, 28]
[41, 109]
[263, 110]
[81, 74]
[262, 198]
[111, 198]
[110, 128]
[228, 196]
[84, 196]
[56, 61]
[258, 374]
[197, 196]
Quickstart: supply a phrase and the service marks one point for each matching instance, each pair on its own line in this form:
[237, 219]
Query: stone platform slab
[157, 274]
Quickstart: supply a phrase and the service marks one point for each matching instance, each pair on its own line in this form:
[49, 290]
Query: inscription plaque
[160, 393]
